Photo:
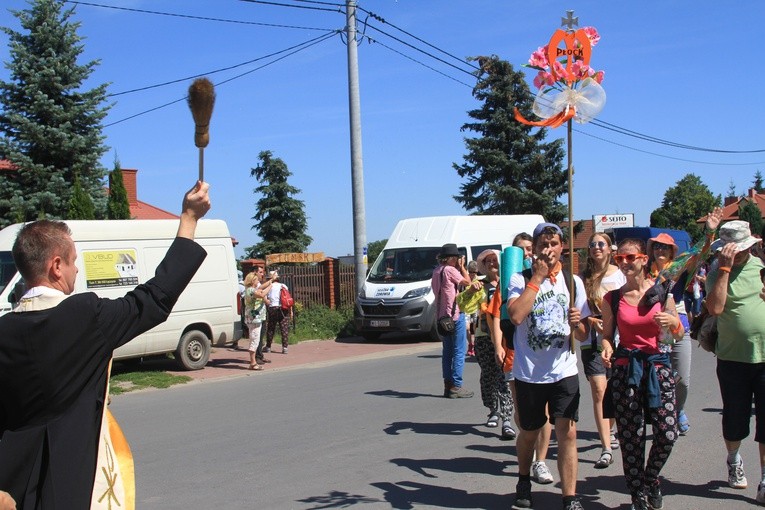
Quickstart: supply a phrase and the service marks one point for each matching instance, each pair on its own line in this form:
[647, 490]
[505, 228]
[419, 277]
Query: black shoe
[655, 501]
[522, 494]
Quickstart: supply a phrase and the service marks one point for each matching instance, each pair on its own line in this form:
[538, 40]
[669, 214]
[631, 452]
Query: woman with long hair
[643, 388]
[599, 276]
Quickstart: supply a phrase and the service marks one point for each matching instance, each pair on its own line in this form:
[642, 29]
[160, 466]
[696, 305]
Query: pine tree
[118, 207]
[49, 127]
[281, 221]
[758, 182]
[80, 204]
[509, 169]
[749, 212]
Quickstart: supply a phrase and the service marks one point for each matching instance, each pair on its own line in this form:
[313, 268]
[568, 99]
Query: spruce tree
[50, 128]
[80, 204]
[118, 207]
[508, 168]
[281, 221]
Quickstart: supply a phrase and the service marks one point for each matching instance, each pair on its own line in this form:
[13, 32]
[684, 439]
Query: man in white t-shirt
[545, 367]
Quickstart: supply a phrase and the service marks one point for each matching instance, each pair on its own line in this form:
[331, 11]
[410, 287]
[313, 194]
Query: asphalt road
[376, 434]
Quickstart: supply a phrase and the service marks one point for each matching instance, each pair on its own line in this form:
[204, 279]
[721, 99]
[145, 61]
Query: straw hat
[481, 260]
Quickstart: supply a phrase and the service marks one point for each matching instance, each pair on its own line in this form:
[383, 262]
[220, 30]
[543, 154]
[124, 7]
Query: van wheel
[193, 350]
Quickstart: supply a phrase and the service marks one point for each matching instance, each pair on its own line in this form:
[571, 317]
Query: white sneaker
[540, 473]
[761, 493]
[736, 478]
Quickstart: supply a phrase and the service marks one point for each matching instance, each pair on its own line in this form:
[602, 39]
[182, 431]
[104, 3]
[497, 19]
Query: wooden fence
[327, 283]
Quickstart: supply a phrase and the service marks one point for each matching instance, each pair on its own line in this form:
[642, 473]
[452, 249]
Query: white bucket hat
[737, 232]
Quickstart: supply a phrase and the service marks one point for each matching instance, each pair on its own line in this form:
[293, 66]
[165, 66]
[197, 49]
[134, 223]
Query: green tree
[748, 211]
[374, 249]
[758, 182]
[281, 221]
[731, 190]
[50, 127]
[80, 204]
[683, 204]
[118, 207]
[508, 168]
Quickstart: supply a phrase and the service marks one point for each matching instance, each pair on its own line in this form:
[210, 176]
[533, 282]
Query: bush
[319, 322]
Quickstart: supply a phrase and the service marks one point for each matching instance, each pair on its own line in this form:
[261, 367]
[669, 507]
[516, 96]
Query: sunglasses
[629, 258]
[661, 246]
[598, 244]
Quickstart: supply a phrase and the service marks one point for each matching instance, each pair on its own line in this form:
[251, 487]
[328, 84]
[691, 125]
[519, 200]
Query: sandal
[605, 460]
[493, 420]
[256, 367]
[614, 442]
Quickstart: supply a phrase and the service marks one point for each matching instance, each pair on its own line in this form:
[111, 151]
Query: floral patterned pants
[494, 390]
[276, 316]
[631, 416]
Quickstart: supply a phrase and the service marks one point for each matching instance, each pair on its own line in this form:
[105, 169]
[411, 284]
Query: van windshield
[7, 269]
[402, 265]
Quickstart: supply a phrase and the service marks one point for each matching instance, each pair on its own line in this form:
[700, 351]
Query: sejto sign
[603, 222]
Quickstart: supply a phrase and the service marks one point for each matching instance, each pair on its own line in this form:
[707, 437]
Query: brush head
[201, 101]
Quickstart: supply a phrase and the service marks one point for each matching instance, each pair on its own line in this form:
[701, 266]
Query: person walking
[599, 276]
[733, 287]
[545, 367]
[490, 351]
[276, 315]
[447, 277]
[643, 387]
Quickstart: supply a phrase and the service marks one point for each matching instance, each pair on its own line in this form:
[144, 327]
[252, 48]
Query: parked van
[396, 296]
[115, 256]
[681, 237]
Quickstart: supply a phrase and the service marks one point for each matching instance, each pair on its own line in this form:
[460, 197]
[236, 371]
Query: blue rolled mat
[511, 262]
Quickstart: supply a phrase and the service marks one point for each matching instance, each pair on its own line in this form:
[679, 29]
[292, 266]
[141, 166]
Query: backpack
[507, 326]
[285, 298]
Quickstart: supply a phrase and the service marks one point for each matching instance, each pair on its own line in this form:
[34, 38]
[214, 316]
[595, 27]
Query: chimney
[129, 178]
[752, 192]
[728, 200]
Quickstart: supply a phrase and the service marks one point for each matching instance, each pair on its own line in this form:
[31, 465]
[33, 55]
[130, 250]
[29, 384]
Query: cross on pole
[570, 21]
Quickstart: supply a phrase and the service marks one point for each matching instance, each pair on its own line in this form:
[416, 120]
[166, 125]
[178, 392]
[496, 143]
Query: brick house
[731, 206]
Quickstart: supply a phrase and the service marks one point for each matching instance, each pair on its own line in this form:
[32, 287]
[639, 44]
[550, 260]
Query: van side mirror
[18, 291]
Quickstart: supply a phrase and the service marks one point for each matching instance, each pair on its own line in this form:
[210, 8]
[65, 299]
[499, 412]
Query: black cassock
[53, 369]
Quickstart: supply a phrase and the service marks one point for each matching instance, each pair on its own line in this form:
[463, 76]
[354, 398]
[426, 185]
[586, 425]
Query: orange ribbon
[551, 122]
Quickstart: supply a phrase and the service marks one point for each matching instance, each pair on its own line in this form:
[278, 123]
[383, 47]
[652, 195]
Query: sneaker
[761, 493]
[655, 501]
[284, 350]
[736, 478]
[460, 392]
[639, 502]
[266, 349]
[522, 494]
[493, 420]
[508, 432]
[573, 504]
[540, 473]
[682, 423]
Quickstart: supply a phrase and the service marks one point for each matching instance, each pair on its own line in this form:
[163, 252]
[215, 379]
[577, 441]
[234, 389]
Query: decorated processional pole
[568, 90]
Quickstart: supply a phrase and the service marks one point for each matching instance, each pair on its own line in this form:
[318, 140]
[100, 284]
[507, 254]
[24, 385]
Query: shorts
[738, 383]
[561, 398]
[593, 364]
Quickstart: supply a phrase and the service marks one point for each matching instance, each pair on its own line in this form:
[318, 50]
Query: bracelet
[724, 269]
[532, 287]
[677, 329]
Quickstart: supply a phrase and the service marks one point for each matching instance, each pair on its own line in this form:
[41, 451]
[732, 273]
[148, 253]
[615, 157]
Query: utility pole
[357, 165]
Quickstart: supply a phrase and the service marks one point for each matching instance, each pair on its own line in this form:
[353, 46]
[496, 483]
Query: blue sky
[683, 71]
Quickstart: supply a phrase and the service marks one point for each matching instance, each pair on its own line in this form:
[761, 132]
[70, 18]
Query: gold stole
[114, 484]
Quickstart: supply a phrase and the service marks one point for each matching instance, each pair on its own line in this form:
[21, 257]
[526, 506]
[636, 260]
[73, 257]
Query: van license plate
[379, 324]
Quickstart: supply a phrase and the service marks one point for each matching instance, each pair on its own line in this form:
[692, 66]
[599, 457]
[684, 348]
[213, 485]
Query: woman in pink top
[642, 385]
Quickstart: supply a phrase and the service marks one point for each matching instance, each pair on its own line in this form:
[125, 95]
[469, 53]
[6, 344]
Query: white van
[396, 296]
[116, 255]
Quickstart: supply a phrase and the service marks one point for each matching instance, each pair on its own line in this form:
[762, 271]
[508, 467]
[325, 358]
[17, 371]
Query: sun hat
[662, 238]
[481, 259]
[448, 250]
[539, 228]
[737, 232]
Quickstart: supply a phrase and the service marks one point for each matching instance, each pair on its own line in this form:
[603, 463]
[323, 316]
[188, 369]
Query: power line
[279, 4]
[140, 89]
[188, 16]
[304, 46]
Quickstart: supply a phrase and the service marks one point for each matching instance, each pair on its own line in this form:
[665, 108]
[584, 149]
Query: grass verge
[130, 381]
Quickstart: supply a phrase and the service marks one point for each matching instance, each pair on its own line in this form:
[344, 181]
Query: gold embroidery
[111, 478]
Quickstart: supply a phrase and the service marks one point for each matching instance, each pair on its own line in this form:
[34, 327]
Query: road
[375, 433]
